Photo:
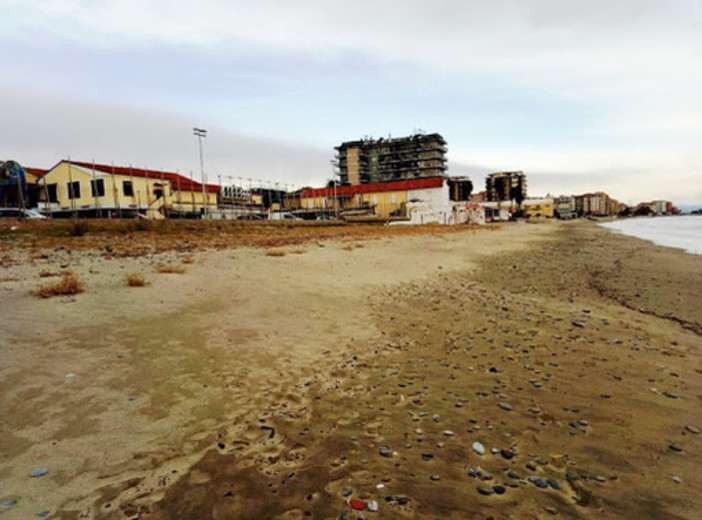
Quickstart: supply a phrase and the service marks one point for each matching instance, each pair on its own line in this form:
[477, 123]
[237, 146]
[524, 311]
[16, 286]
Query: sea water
[682, 232]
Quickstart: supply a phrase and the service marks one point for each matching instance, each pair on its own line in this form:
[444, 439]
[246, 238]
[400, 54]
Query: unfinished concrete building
[381, 160]
[510, 186]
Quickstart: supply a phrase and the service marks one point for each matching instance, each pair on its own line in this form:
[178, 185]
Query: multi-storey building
[564, 207]
[597, 204]
[506, 186]
[381, 160]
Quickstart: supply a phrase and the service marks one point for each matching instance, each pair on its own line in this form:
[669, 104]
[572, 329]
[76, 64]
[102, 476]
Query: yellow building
[538, 208]
[74, 188]
[381, 200]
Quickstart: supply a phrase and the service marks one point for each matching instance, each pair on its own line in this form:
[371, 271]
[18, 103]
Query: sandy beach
[281, 373]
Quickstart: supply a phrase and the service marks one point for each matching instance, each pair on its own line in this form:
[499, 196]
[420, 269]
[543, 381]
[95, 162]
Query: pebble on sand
[9, 504]
[38, 472]
[692, 429]
[385, 451]
[572, 475]
[553, 483]
[478, 448]
[507, 454]
[505, 406]
[357, 504]
[538, 482]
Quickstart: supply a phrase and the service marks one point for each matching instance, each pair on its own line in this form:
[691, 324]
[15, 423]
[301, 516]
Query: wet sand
[256, 386]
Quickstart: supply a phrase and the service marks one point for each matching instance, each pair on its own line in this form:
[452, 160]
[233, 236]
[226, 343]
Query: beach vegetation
[68, 285]
[169, 269]
[136, 280]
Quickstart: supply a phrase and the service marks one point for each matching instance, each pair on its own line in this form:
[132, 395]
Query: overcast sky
[581, 95]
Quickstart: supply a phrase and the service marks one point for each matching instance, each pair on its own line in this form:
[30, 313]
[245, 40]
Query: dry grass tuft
[298, 251]
[48, 274]
[347, 248]
[276, 252]
[169, 269]
[188, 260]
[68, 285]
[9, 279]
[136, 280]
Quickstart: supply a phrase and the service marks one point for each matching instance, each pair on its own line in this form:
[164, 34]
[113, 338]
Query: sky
[580, 95]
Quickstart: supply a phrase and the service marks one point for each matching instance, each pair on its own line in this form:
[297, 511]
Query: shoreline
[670, 237]
[352, 362]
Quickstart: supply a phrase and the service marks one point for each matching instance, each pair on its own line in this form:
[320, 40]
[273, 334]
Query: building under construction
[510, 186]
[381, 160]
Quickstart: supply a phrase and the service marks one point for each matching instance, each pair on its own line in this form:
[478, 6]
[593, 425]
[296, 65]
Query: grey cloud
[39, 131]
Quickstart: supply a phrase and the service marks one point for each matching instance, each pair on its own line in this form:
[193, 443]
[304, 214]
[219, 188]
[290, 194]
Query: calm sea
[684, 232]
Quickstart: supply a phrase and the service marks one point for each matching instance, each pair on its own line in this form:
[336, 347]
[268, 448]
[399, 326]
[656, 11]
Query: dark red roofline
[179, 182]
[376, 187]
[37, 172]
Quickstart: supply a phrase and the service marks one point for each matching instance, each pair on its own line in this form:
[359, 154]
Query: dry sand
[257, 386]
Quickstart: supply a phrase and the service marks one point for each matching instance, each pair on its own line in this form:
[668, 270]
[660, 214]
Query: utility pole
[200, 133]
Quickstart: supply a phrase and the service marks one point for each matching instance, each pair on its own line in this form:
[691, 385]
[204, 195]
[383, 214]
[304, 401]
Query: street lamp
[200, 133]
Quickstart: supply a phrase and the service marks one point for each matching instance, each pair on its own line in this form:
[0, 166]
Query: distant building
[538, 208]
[382, 160]
[659, 207]
[497, 211]
[460, 188]
[597, 204]
[481, 196]
[509, 186]
[416, 201]
[564, 207]
[382, 200]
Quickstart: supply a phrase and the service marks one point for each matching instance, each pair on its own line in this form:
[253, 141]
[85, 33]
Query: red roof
[179, 182]
[37, 172]
[376, 187]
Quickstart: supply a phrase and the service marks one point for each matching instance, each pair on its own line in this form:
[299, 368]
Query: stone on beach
[357, 504]
[384, 451]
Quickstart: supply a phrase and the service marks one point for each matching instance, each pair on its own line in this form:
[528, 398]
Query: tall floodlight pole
[336, 205]
[200, 133]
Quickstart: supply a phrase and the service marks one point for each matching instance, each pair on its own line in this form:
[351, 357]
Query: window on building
[97, 187]
[52, 192]
[128, 188]
[73, 189]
